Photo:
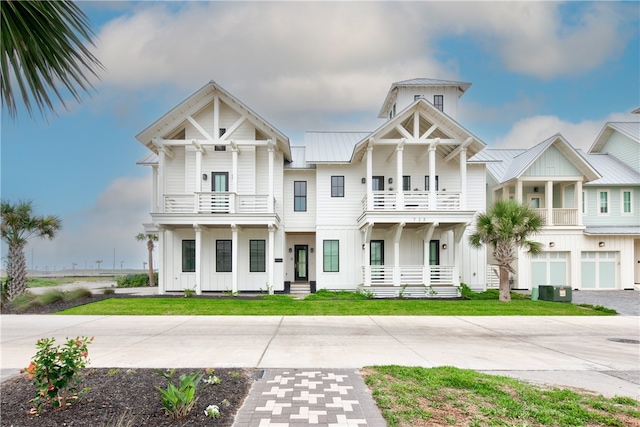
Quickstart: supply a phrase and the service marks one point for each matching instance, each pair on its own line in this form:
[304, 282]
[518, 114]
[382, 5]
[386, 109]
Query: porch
[216, 202]
[412, 201]
[410, 275]
[412, 291]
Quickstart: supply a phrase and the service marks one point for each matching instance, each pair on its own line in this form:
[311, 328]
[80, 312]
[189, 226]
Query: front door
[376, 258]
[377, 183]
[220, 184]
[434, 259]
[301, 263]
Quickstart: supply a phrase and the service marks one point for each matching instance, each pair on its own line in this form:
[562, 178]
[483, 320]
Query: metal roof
[331, 147]
[298, 159]
[497, 160]
[613, 170]
[148, 160]
[625, 230]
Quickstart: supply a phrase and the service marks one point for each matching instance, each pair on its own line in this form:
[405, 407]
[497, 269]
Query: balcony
[559, 216]
[215, 203]
[411, 201]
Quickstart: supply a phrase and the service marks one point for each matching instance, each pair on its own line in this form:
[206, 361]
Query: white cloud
[91, 235]
[530, 131]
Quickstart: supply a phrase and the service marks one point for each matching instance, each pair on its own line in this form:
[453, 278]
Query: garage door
[549, 268]
[599, 270]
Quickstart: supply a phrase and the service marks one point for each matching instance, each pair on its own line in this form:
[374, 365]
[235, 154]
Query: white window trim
[600, 191]
[539, 196]
[622, 191]
[583, 203]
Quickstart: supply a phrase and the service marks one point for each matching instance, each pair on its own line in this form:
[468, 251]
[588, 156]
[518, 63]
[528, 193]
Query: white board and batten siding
[339, 211]
[300, 221]
[623, 148]
[406, 96]
[476, 188]
[351, 258]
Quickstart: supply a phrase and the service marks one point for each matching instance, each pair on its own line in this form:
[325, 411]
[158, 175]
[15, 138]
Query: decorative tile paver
[309, 397]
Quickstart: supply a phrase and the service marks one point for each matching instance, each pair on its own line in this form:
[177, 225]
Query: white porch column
[271, 257]
[432, 176]
[577, 201]
[366, 253]
[162, 160]
[397, 277]
[234, 167]
[234, 258]
[369, 177]
[198, 177]
[457, 253]
[519, 196]
[399, 172]
[198, 230]
[154, 189]
[271, 203]
[463, 178]
[548, 197]
[160, 261]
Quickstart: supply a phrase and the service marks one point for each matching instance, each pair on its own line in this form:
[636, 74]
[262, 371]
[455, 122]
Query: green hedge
[135, 280]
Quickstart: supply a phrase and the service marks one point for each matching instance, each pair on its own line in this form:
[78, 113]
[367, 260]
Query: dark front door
[434, 258]
[376, 257]
[302, 263]
[220, 184]
[377, 183]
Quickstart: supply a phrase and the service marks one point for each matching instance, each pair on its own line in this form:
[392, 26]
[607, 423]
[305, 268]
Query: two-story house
[589, 202]
[237, 207]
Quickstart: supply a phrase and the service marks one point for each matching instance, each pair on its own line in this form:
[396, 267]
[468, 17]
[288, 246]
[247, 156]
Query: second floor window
[188, 256]
[337, 186]
[438, 102]
[603, 202]
[406, 183]
[300, 196]
[223, 256]
[627, 202]
[221, 132]
[426, 183]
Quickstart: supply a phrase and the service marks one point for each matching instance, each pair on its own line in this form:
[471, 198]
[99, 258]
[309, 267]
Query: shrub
[24, 301]
[76, 294]
[51, 297]
[54, 369]
[179, 400]
[135, 280]
[108, 291]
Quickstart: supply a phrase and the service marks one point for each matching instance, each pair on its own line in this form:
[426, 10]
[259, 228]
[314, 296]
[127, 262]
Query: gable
[552, 163]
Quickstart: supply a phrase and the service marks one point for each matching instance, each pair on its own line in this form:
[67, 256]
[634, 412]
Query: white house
[238, 207]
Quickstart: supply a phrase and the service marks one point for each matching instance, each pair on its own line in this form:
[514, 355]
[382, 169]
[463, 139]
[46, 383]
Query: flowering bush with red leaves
[54, 371]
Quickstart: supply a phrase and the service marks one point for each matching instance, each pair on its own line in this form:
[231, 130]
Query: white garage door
[599, 270]
[549, 268]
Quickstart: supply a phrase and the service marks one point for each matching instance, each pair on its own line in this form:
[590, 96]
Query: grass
[284, 306]
[52, 296]
[41, 282]
[409, 396]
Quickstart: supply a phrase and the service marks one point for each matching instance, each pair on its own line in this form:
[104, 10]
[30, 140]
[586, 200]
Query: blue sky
[536, 68]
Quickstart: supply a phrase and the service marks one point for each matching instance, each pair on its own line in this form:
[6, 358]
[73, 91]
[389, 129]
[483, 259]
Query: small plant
[402, 291]
[113, 371]
[367, 293]
[212, 411]
[430, 291]
[188, 293]
[268, 289]
[234, 374]
[54, 370]
[179, 400]
[231, 293]
[211, 379]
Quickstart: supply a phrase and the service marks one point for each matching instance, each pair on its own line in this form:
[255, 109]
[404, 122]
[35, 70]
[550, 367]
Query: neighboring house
[590, 202]
[237, 208]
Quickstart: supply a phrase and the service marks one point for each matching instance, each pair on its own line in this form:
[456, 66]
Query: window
[221, 132]
[406, 183]
[377, 183]
[627, 202]
[300, 196]
[188, 256]
[438, 102]
[331, 256]
[603, 202]
[337, 186]
[223, 256]
[584, 202]
[426, 183]
[416, 97]
[257, 256]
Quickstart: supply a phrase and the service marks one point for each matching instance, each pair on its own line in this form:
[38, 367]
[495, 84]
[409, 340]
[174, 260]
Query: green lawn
[409, 396]
[281, 306]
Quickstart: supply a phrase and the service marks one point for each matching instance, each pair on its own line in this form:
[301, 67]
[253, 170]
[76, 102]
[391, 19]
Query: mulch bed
[127, 395]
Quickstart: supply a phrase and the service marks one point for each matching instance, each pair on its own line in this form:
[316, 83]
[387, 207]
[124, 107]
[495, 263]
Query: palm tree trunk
[505, 290]
[150, 248]
[16, 271]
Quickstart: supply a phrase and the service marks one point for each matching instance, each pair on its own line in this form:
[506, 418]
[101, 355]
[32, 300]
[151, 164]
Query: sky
[536, 68]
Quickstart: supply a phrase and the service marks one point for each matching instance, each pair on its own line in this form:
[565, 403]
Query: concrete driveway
[594, 353]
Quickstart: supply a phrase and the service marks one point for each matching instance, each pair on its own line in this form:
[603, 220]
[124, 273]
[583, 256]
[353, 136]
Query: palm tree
[19, 224]
[507, 226]
[150, 238]
[41, 47]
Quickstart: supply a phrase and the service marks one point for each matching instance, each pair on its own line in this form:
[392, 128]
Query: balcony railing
[560, 216]
[411, 201]
[386, 275]
[215, 202]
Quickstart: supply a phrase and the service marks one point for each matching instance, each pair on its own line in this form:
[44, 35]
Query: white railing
[559, 216]
[411, 200]
[385, 275]
[492, 276]
[216, 202]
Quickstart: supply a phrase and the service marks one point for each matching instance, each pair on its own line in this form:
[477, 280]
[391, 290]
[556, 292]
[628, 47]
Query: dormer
[443, 94]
